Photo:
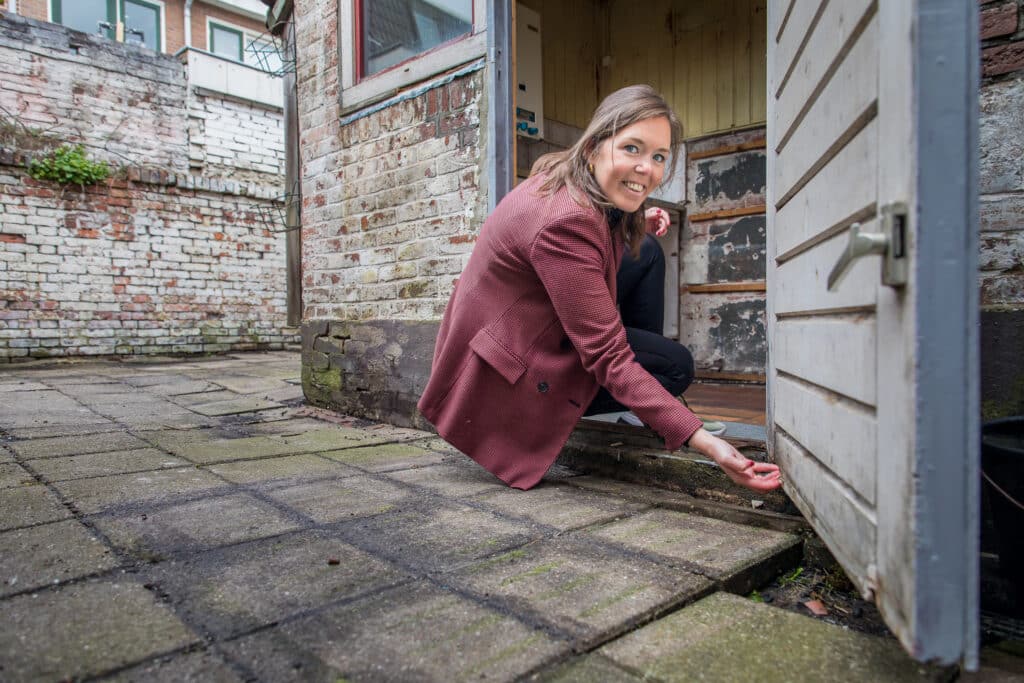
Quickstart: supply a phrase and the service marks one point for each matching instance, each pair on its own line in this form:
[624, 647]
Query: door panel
[799, 291]
[840, 22]
[833, 427]
[872, 387]
[833, 352]
[853, 169]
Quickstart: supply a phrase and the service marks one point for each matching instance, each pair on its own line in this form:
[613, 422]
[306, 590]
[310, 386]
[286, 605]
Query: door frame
[946, 453]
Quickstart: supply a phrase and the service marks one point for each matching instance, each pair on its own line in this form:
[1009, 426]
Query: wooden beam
[727, 149]
[712, 375]
[726, 213]
[721, 287]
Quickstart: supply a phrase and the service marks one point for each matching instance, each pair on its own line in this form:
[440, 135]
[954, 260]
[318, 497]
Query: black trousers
[641, 301]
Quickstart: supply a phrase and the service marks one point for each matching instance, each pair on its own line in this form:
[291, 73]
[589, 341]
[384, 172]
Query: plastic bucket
[1002, 470]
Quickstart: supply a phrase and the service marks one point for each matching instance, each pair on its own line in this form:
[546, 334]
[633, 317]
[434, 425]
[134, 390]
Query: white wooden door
[872, 387]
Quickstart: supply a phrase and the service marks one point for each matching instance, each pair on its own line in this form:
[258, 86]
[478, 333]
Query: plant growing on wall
[68, 165]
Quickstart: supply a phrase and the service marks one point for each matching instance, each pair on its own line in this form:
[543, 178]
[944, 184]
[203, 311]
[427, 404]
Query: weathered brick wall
[232, 139]
[392, 201]
[722, 298]
[1002, 208]
[156, 259]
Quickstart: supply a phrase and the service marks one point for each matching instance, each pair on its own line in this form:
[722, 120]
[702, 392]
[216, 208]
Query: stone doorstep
[638, 455]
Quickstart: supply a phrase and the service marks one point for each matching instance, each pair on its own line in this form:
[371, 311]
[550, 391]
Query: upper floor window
[234, 42]
[388, 44]
[392, 31]
[142, 20]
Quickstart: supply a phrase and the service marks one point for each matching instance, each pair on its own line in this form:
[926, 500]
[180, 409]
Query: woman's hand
[657, 221]
[759, 476]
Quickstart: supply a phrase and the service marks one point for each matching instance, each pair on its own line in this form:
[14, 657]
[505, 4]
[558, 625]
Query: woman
[532, 331]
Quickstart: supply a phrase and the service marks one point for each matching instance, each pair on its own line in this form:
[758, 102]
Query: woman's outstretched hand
[759, 476]
[657, 221]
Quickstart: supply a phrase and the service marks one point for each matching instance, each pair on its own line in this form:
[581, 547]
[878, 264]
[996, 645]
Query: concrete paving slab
[586, 669]
[289, 427]
[586, 590]
[197, 399]
[191, 387]
[27, 505]
[224, 450]
[234, 406]
[13, 385]
[391, 433]
[50, 553]
[734, 640]
[193, 526]
[83, 630]
[286, 393]
[412, 633]
[334, 500]
[105, 464]
[233, 590]
[13, 474]
[101, 493]
[100, 425]
[386, 457]
[451, 481]
[287, 469]
[738, 557]
[440, 537]
[172, 440]
[248, 384]
[194, 667]
[559, 506]
[88, 443]
[332, 438]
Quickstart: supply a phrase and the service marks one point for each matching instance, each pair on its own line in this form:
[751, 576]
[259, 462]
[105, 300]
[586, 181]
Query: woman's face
[631, 164]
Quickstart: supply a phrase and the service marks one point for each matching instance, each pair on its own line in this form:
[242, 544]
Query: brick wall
[221, 135]
[1002, 207]
[170, 254]
[391, 205]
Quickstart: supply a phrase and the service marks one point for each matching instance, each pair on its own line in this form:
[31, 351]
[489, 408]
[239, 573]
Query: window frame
[210, 23]
[56, 11]
[358, 92]
[161, 19]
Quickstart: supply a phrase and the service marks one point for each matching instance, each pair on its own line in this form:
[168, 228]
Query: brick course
[168, 256]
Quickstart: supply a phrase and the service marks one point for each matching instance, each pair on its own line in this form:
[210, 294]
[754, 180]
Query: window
[392, 31]
[226, 41]
[142, 23]
[143, 19]
[387, 44]
[89, 16]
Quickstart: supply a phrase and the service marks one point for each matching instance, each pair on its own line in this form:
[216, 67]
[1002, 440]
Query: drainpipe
[188, 23]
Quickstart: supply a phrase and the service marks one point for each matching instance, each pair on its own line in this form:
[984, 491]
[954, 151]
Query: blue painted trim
[946, 307]
[415, 92]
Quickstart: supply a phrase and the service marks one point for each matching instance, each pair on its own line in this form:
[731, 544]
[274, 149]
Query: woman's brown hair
[569, 168]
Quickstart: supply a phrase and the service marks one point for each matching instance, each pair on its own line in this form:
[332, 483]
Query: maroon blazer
[530, 333]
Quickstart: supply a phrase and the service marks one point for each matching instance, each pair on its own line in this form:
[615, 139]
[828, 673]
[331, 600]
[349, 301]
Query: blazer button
[542, 387]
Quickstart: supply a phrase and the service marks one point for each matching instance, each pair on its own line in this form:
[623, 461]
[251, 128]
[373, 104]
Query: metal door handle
[860, 244]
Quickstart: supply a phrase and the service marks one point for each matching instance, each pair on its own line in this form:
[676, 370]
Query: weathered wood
[837, 353]
[834, 429]
[786, 51]
[726, 213]
[847, 526]
[841, 24]
[753, 377]
[816, 208]
[801, 284]
[727, 149]
[835, 116]
[723, 287]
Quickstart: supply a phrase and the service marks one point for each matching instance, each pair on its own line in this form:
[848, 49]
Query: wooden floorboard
[730, 402]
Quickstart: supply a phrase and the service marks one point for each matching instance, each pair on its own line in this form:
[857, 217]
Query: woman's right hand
[759, 476]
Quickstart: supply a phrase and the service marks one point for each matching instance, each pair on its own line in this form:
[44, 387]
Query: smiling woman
[532, 338]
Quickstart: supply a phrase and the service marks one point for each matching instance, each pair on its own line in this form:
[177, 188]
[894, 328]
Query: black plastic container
[1002, 466]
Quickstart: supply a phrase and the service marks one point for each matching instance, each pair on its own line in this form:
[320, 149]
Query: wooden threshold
[727, 213]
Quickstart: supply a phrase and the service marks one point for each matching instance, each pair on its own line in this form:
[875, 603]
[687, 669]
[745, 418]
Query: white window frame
[379, 85]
